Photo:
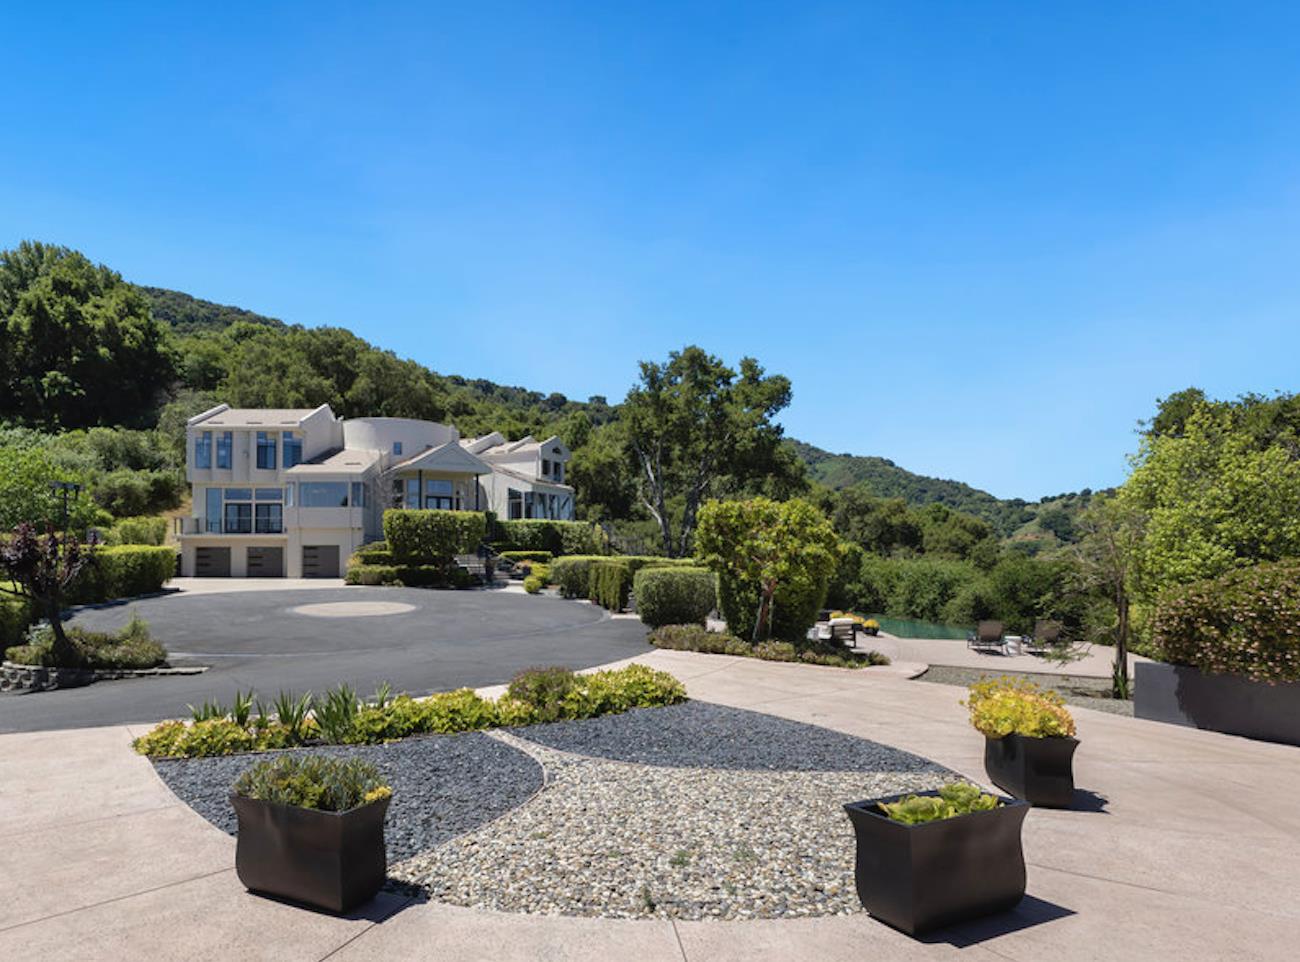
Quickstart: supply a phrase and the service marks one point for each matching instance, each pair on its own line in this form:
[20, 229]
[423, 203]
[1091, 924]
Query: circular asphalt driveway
[256, 640]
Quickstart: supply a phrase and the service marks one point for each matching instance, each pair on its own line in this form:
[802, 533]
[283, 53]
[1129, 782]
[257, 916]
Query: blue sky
[980, 238]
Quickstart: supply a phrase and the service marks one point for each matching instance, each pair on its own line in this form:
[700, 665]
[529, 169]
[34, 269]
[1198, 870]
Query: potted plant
[1029, 739]
[311, 829]
[932, 859]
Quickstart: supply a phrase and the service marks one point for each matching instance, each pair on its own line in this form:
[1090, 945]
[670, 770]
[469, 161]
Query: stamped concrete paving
[1187, 848]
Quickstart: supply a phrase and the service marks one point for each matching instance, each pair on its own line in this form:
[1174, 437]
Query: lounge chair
[844, 630]
[987, 636]
[1047, 635]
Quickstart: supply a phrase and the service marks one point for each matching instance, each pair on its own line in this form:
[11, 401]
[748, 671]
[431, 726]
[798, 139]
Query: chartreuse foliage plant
[955, 798]
[314, 781]
[341, 717]
[1013, 706]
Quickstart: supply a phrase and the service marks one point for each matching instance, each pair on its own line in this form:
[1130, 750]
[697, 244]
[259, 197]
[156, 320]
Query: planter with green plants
[931, 859]
[311, 829]
[1029, 739]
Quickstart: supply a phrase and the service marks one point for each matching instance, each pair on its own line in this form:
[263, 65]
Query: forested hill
[885, 479]
[188, 315]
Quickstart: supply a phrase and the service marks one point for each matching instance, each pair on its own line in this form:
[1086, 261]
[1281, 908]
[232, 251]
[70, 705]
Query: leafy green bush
[16, 615]
[412, 576]
[674, 596]
[124, 571]
[1010, 705]
[697, 638]
[573, 574]
[557, 537]
[131, 648]
[611, 581]
[537, 579]
[372, 574]
[142, 530]
[955, 798]
[340, 717]
[516, 556]
[794, 607]
[374, 553]
[313, 781]
[432, 537]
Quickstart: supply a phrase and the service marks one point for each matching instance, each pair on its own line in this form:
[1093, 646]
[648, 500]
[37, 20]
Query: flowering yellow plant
[1007, 705]
[864, 622]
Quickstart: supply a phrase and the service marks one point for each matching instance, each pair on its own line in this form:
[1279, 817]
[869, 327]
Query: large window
[516, 504]
[225, 444]
[292, 449]
[239, 517]
[265, 451]
[323, 494]
[397, 448]
[203, 450]
[212, 517]
[268, 518]
[358, 494]
[439, 494]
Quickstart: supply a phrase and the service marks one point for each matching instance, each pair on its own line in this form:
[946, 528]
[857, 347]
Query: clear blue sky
[980, 238]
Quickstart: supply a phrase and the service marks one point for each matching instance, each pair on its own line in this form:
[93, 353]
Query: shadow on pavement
[1029, 913]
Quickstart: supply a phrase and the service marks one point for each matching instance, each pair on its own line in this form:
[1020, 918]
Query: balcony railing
[191, 526]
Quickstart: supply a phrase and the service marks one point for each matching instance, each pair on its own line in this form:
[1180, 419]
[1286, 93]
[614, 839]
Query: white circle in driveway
[353, 609]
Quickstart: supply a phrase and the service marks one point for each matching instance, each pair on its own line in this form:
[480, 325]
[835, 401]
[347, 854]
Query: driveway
[312, 639]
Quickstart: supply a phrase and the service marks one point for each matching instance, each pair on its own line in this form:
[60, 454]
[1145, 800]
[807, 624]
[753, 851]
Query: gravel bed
[751, 827]
[443, 785]
[1091, 693]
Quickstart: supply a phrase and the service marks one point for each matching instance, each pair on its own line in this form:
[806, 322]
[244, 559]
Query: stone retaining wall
[16, 677]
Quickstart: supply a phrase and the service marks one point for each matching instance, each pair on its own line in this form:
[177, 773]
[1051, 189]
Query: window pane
[437, 486]
[270, 494]
[225, 444]
[323, 494]
[212, 517]
[239, 519]
[269, 519]
[358, 494]
[239, 494]
[203, 450]
[292, 449]
[265, 451]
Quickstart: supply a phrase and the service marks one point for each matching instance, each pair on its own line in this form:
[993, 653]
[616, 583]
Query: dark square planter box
[330, 860]
[1039, 770]
[1222, 703]
[921, 877]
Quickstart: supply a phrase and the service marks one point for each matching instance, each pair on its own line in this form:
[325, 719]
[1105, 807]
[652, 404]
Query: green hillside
[188, 315]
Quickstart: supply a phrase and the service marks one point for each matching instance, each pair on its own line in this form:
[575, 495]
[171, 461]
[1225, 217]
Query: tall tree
[78, 345]
[694, 429]
[1107, 559]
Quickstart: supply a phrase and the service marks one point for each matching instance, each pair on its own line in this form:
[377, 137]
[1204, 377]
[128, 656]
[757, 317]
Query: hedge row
[374, 553]
[143, 530]
[675, 596]
[430, 537]
[542, 556]
[557, 537]
[591, 577]
[1245, 622]
[410, 576]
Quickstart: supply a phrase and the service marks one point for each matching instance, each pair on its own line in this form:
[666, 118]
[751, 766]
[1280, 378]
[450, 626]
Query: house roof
[525, 445]
[255, 417]
[338, 461]
[447, 457]
[535, 482]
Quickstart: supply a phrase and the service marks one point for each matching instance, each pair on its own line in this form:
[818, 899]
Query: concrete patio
[1188, 848]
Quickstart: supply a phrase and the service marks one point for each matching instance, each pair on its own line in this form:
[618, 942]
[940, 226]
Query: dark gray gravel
[443, 785]
[697, 734]
[1091, 693]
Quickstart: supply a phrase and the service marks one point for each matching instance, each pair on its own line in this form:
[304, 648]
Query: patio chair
[987, 636]
[844, 630]
[1047, 634]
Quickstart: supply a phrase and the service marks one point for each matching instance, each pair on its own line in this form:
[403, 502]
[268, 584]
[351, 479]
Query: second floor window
[225, 446]
[203, 450]
[265, 451]
[397, 448]
[292, 450]
[323, 494]
[268, 519]
[239, 518]
[358, 494]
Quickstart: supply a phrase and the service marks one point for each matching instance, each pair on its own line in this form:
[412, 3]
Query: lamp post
[66, 491]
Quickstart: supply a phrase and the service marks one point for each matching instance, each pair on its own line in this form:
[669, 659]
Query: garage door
[266, 562]
[212, 562]
[320, 561]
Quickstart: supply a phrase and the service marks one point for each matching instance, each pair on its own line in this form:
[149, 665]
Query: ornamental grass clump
[955, 798]
[1013, 706]
[313, 781]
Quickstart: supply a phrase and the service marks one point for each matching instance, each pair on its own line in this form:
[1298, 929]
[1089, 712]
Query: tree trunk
[761, 629]
[1119, 674]
[65, 653]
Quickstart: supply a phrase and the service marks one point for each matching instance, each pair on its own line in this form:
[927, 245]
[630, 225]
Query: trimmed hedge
[574, 573]
[516, 556]
[1245, 622]
[144, 530]
[539, 576]
[794, 608]
[611, 580]
[374, 553]
[123, 572]
[16, 616]
[410, 576]
[675, 595]
[557, 537]
[430, 537]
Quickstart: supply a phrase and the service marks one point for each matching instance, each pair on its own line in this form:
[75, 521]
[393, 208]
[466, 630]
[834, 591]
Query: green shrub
[432, 537]
[131, 648]
[124, 571]
[697, 638]
[374, 553]
[674, 595]
[557, 537]
[372, 574]
[142, 530]
[537, 579]
[794, 607]
[573, 574]
[313, 781]
[543, 690]
[1010, 705]
[462, 710]
[1245, 622]
[611, 581]
[16, 615]
[517, 556]
[955, 798]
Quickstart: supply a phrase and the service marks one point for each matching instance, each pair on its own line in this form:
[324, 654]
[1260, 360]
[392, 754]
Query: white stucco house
[291, 493]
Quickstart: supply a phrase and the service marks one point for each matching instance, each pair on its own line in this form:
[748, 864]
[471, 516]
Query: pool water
[912, 628]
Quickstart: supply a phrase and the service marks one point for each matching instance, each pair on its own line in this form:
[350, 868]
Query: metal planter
[1039, 770]
[330, 860]
[921, 877]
